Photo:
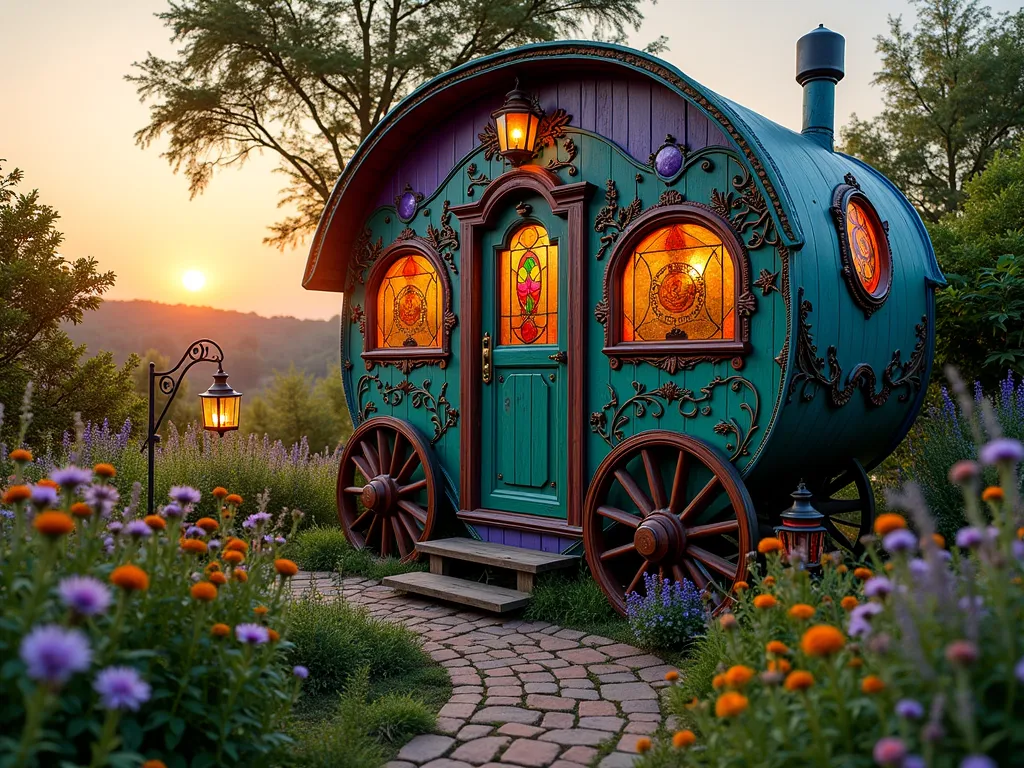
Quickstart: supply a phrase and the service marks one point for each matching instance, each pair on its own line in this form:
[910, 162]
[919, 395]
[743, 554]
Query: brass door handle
[559, 357]
[486, 367]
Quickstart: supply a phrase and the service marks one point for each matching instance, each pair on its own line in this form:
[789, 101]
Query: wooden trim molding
[407, 358]
[549, 526]
[567, 201]
[683, 354]
[846, 192]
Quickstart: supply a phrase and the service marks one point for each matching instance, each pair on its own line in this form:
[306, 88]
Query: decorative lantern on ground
[802, 533]
[516, 125]
[221, 405]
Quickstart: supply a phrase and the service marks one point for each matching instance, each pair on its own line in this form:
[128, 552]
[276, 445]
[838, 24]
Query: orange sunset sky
[67, 118]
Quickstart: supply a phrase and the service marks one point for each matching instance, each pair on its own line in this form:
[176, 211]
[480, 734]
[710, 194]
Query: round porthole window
[864, 248]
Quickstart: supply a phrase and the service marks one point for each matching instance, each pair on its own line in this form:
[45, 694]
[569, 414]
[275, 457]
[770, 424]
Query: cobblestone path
[527, 694]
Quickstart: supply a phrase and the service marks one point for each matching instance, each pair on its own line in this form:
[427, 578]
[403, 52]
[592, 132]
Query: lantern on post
[802, 533]
[221, 405]
[516, 125]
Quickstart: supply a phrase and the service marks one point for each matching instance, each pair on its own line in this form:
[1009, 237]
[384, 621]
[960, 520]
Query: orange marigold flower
[842, 569]
[765, 601]
[17, 493]
[195, 546]
[285, 568]
[731, 704]
[208, 524]
[236, 545]
[241, 576]
[155, 522]
[1017, 580]
[738, 676]
[154, 764]
[777, 647]
[862, 573]
[220, 630]
[779, 665]
[739, 586]
[130, 578]
[872, 684]
[54, 524]
[802, 611]
[800, 680]
[727, 621]
[203, 591]
[81, 509]
[220, 492]
[888, 567]
[233, 499]
[822, 640]
[20, 455]
[672, 675]
[105, 470]
[993, 493]
[764, 546]
[233, 556]
[218, 578]
[683, 739]
[768, 581]
[718, 681]
[260, 610]
[826, 599]
[855, 663]
[274, 635]
[48, 483]
[889, 522]
[643, 744]
[940, 540]
[849, 603]
[213, 565]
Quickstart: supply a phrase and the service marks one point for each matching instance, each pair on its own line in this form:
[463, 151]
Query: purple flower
[115, 527]
[108, 545]
[172, 511]
[900, 540]
[44, 496]
[933, 732]
[300, 672]
[918, 568]
[253, 634]
[877, 586]
[84, 595]
[860, 619]
[1018, 670]
[53, 654]
[964, 472]
[213, 544]
[195, 532]
[256, 521]
[6, 514]
[913, 761]
[1003, 449]
[969, 537]
[102, 498]
[71, 477]
[138, 529]
[185, 495]
[909, 709]
[978, 761]
[280, 540]
[889, 751]
[121, 688]
[268, 539]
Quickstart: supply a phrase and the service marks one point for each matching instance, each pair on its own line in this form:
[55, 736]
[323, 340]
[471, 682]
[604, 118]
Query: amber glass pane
[528, 288]
[409, 304]
[863, 239]
[679, 284]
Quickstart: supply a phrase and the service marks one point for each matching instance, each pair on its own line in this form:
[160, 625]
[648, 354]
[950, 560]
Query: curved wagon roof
[794, 173]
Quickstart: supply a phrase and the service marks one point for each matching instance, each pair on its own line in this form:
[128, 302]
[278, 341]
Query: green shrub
[670, 614]
[362, 562]
[319, 549]
[338, 742]
[397, 717]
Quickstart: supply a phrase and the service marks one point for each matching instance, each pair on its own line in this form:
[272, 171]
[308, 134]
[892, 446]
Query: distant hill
[254, 346]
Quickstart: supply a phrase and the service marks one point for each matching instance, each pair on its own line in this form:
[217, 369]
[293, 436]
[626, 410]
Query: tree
[293, 408]
[184, 409]
[39, 290]
[953, 96]
[309, 79]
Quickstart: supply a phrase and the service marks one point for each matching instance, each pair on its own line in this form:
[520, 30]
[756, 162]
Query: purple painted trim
[511, 538]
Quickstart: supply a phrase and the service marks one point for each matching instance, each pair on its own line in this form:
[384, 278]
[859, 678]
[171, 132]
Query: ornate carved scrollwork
[766, 282]
[475, 179]
[611, 220]
[747, 211]
[359, 317]
[571, 150]
[442, 416]
[446, 239]
[367, 251]
[811, 369]
[489, 142]
[609, 422]
[670, 197]
[551, 128]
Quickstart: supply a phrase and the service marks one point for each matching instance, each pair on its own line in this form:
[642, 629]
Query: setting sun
[193, 280]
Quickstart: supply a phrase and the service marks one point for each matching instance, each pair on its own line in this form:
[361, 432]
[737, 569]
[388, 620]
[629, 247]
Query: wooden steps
[526, 563]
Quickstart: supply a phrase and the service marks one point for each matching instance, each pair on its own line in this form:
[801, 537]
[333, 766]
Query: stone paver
[526, 694]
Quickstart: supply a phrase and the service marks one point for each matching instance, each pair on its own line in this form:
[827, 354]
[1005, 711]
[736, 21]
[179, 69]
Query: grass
[327, 549]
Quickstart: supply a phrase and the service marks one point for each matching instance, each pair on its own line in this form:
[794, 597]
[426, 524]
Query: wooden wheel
[848, 504]
[387, 488]
[670, 505]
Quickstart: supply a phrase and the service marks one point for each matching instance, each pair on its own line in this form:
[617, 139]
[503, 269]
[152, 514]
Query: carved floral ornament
[442, 416]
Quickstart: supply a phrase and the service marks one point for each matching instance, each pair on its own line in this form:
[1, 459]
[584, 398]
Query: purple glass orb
[407, 206]
[669, 160]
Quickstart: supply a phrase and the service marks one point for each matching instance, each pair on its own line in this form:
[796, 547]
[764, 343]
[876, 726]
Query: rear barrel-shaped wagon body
[613, 307]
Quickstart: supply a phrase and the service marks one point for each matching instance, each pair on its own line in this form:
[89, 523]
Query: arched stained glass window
[678, 285]
[409, 305]
[528, 286]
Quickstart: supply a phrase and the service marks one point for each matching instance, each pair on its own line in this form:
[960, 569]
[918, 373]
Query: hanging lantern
[221, 405]
[802, 533]
[516, 125]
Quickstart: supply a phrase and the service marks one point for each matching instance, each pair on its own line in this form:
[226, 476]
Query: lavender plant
[668, 615]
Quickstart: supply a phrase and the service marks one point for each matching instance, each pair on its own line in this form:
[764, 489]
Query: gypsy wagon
[592, 306]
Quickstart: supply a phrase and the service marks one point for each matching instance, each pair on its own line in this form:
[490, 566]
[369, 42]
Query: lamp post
[221, 404]
[802, 533]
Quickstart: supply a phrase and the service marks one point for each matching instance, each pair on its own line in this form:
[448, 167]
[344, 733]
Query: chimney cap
[820, 55]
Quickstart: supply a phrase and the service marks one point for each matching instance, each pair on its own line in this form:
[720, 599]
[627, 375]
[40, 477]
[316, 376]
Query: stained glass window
[679, 284]
[864, 248]
[528, 282]
[409, 304]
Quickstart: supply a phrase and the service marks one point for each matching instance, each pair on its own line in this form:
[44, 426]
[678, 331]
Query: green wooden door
[523, 405]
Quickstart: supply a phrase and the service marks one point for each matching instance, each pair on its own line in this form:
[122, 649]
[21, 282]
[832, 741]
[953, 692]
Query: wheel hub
[380, 494]
[660, 536]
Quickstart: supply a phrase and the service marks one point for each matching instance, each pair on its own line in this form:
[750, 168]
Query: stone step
[496, 555]
[484, 596]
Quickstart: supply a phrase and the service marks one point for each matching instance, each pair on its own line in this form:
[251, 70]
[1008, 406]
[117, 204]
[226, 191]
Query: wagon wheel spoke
[847, 520]
[372, 459]
[370, 531]
[714, 562]
[634, 491]
[654, 481]
[679, 478]
[364, 468]
[619, 516]
[383, 451]
[618, 551]
[385, 537]
[397, 454]
[697, 574]
[355, 490]
[703, 499]
[403, 546]
[840, 506]
[841, 537]
[359, 520]
[410, 527]
[712, 529]
[638, 577]
[407, 468]
[419, 485]
[413, 509]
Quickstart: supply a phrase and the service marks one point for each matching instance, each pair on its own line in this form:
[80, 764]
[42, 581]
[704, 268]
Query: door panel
[525, 421]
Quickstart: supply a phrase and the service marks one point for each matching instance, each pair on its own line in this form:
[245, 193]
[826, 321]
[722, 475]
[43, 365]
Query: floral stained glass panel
[863, 239]
[528, 285]
[409, 305]
[679, 285]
